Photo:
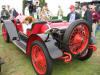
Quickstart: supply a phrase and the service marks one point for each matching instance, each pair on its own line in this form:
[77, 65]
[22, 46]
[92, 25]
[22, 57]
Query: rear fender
[53, 50]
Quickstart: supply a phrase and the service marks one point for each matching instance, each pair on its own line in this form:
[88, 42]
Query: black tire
[47, 57]
[7, 38]
[68, 34]
[86, 55]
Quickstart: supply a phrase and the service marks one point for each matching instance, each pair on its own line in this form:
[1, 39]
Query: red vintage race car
[45, 41]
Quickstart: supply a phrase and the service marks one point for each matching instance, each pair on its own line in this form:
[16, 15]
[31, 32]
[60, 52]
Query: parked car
[45, 41]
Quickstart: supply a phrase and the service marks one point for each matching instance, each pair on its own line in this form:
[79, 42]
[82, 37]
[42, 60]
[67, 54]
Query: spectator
[27, 10]
[37, 4]
[87, 15]
[8, 8]
[73, 15]
[46, 14]
[14, 13]
[34, 11]
[39, 12]
[98, 27]
[88, 18]
[60, 12]
[95, 17]
[4, 13]
[31, 9]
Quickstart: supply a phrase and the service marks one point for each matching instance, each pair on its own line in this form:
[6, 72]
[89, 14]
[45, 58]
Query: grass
[17, 63]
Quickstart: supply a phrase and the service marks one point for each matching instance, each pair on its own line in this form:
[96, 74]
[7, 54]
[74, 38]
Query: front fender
[53, 50]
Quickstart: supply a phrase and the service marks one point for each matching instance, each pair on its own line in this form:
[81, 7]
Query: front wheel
[86, 55]
[40, 58]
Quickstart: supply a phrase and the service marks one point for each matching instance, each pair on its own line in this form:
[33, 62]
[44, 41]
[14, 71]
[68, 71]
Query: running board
[21, 45]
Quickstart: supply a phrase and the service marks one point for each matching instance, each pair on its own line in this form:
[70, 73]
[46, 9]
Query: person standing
[31, 9]
[73, 15]
[13, 14]
[60, 12]
[34, 11]
[27, 13]
[8, 8]
[98, 26]
[88, 18]
[87, 15]
[46, 14]
[95, 18]
[39, 12]
[4, 13]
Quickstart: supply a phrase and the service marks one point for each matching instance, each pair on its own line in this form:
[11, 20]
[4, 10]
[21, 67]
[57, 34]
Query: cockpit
[29, 19]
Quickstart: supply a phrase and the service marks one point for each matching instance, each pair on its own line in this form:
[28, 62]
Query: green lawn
[17, 63]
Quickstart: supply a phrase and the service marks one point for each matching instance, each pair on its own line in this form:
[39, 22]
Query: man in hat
[4, 13]
[73, 15]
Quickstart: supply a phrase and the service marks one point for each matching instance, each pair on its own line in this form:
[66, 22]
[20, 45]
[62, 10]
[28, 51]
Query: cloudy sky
[53, 4]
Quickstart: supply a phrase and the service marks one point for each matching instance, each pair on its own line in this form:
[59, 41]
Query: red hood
[58, 25]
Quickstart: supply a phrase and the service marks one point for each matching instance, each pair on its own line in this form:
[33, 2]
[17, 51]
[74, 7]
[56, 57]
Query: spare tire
[77, 37]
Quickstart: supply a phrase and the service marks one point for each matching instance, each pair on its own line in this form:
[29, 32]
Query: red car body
[47, 40]
[38, 28]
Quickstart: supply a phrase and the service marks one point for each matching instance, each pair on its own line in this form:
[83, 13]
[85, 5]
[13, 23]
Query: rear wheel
[86, 55]
[40, 58]
[5, 34]
[76, 37]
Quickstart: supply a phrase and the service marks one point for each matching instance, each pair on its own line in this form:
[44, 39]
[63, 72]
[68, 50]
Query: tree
[24, 2]
[42, 2]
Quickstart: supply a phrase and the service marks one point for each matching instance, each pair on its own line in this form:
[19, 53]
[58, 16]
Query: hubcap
[79, 39]
[38, 59]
